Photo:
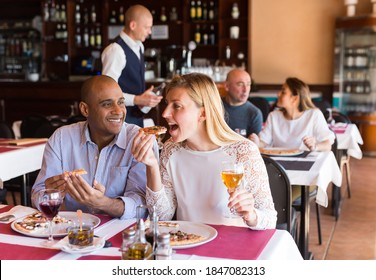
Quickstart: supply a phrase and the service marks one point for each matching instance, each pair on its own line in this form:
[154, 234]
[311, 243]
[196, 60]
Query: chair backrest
[281, 192]
[6, 131]
[261, 103]
[339, 117]
[36, 127]
[323, 105]
[76, 118]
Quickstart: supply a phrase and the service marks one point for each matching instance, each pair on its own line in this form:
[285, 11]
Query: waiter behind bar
[123, 61]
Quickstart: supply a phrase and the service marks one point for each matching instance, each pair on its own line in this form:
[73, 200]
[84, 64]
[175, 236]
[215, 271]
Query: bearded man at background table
[115, 182]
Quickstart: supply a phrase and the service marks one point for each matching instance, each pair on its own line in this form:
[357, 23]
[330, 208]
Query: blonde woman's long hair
[203, 91]
[298, 87]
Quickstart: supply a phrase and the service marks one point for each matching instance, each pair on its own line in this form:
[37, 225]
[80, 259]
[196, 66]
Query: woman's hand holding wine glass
[232, 174]
[49, 202]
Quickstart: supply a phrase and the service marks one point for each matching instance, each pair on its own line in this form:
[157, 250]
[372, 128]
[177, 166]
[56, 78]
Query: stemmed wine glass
[232, 174]
[49, 202]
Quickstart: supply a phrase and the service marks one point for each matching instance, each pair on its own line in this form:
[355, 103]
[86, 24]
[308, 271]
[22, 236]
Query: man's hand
[148, 98]
[83, 193]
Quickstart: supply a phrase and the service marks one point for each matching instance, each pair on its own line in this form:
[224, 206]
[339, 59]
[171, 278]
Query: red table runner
[20, 252]
[237, 243]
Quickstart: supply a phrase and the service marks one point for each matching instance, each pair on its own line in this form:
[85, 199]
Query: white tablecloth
[350, 140]
[20, 160]
[324, 170]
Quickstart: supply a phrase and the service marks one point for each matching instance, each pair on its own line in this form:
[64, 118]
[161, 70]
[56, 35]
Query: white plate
[208, 232]
[277, 152]
[98, 243]
[59, 229]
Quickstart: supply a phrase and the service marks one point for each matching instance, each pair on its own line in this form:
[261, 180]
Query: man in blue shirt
[241, 115]
[115, 182]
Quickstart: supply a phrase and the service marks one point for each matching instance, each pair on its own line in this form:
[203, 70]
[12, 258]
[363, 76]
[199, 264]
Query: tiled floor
[353, 236]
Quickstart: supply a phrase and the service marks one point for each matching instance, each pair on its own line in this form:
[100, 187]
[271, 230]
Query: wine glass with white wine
[232, 174]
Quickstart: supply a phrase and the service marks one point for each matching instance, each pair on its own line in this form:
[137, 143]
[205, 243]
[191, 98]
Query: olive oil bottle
[140, 249]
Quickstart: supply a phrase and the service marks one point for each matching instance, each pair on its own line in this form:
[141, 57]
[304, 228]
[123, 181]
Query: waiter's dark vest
[132, 80]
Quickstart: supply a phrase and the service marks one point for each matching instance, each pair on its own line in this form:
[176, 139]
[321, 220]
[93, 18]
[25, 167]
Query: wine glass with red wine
[49, 203]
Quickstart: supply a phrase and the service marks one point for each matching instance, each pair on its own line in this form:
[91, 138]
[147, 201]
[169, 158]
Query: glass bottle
[129, 237]
[86, 37]
[140, 249]
[92, 38]
[46, 12]
[204, 11]
[153, 232]
[63, 13]
[98, 38]
[211, 13]
[93, 14]
[164, 250]
[212, 35]
[78, 37]
[163, 16]
[235, 11]
[78, 14]
[198, 10]
[173, 14]
[193, 10]
[121, 14]
[228, 52]
[198, 34]
[113, 17]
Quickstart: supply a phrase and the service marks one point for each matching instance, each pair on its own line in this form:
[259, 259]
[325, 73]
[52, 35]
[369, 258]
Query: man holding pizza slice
[91, 161]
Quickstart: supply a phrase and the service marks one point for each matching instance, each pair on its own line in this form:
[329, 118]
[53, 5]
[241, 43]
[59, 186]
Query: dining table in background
[231, 243]
[19, 160]
[348, 141]
[311, 169]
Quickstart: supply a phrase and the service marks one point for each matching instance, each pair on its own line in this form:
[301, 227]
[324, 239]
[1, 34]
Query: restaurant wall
[295, 38]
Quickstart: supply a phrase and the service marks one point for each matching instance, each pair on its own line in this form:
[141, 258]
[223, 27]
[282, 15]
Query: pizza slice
[156, 130]
[182, 238]
[80, 171]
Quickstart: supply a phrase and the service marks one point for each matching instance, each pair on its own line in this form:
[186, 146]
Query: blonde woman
[298, 124]
[187, 181]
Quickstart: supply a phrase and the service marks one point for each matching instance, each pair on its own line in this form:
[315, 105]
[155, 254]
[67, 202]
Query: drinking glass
[232, 174]
[49, 202]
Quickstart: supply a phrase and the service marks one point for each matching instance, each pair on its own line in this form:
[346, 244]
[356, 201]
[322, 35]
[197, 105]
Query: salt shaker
[164, 250]
[129, 236]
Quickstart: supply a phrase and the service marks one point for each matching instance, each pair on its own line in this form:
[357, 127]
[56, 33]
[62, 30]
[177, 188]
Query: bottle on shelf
[46, 12]
[173, 14]
[57, 13]
[63, 13]
[64, 31]
[78, 14]
[164, 250]
[198, 10]
[163, 17]
[113, 17]
[205, 36]
[212, 36]
[86, 37]
[92, 37]
[193, 10]
[129, 237]
[235, 13]
[121, 15]
[86, 16]
[52, 11]
[198, 34]
[211, 12]
[205, 11]
[78, 37]
[98, 38]
[93, 14]
[228, 52]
